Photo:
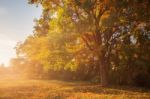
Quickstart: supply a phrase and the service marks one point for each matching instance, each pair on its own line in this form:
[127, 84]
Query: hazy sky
[16, 23]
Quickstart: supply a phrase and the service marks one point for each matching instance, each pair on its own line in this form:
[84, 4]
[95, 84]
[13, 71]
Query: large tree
[101, 24]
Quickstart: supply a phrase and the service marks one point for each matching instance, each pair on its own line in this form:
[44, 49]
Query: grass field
[38, 89]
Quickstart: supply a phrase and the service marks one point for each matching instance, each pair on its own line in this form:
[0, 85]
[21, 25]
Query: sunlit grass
[38, 89]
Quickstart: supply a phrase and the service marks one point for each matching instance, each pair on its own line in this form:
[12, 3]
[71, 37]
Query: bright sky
[16, 23]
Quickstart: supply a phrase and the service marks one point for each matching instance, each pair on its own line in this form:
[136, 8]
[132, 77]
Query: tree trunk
[104, 72]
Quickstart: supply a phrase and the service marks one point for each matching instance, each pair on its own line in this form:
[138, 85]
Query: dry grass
[38, 89]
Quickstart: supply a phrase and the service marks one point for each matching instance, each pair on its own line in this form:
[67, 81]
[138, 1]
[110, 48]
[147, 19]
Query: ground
[51, 89]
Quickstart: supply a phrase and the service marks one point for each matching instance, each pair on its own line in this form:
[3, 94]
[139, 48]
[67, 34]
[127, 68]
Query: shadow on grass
[85, 87]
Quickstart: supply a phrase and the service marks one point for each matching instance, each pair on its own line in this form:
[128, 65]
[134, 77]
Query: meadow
[52, 89]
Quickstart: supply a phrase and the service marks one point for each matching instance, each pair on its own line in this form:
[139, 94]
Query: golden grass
[40, 89]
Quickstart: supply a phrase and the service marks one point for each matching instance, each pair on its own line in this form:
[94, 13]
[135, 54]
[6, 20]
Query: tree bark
[104, 72]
